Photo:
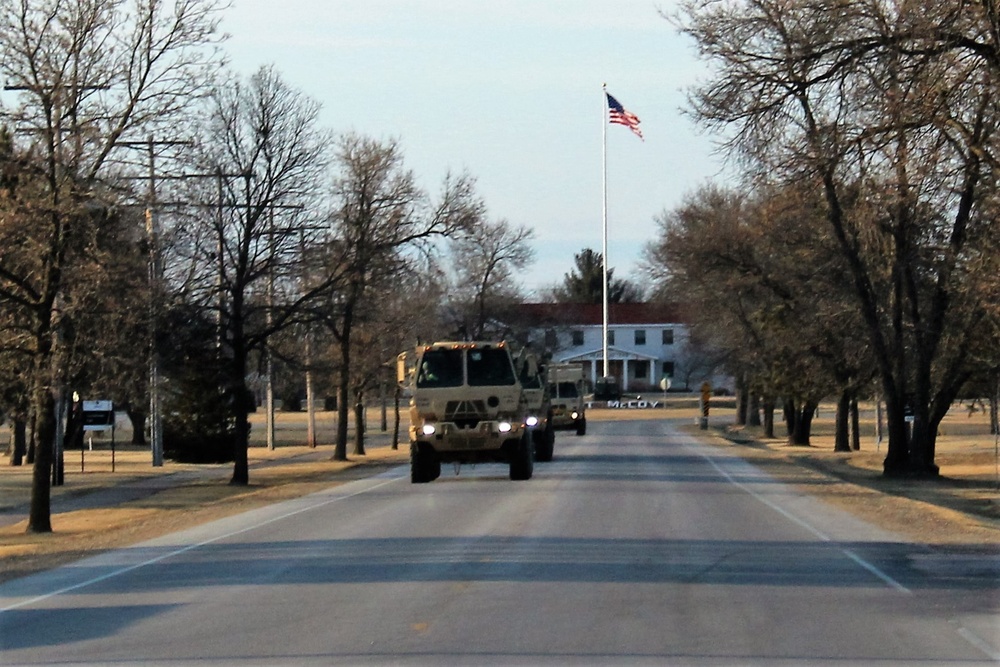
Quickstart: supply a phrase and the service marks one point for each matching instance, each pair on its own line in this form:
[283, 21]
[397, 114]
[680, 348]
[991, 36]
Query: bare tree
[485, 264]
[764, 287]
[890, 112]
[264, 155]
[90, 73]
[379, 217]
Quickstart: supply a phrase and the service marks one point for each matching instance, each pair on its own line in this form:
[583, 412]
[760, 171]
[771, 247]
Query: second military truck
[536, 397]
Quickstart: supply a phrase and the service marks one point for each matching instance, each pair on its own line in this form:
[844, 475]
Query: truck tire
[422, 467]
[545, 444]
[522, 464]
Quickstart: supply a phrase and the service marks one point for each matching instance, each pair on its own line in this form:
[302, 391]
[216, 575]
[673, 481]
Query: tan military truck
[467, 406]
[536, 395]
[566, 389]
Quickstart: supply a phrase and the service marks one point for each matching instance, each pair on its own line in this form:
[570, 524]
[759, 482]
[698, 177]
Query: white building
[646, 342]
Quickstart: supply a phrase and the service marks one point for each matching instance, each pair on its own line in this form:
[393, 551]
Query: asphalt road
[636, 545]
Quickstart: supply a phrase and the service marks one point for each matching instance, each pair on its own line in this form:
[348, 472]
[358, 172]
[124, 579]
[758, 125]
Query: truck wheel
[545, 444]
[522, 464]
[581, 427]
[421, 467]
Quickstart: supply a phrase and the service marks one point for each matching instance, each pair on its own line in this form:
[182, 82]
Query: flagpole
[604, 219]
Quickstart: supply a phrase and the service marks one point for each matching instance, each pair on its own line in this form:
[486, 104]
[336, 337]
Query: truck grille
[465, 414]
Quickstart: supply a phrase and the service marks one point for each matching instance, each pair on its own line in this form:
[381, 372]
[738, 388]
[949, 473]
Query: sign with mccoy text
[638, 404]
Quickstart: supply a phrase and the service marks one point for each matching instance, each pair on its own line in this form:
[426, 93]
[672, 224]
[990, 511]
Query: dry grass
[962, 506]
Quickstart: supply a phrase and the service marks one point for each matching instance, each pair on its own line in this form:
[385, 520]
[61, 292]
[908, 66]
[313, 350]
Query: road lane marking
[873, 569]
[980, 643]
[191, 547]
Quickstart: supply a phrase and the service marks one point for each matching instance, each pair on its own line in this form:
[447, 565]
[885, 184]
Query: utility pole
[270, 323]
[155, 290]
[310, 394]
[269, 365]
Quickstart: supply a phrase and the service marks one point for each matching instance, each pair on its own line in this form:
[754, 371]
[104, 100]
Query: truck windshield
[564, 389]
[440, 368]
[489, 367]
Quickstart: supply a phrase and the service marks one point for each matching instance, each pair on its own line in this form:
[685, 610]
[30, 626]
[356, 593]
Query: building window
[611, 336]
[577, 338]
[668, 369]
[551, 339]
[640, 336]
[640, 371]
[668, 336]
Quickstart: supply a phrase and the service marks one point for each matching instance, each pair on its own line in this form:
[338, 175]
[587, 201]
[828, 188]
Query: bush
[199, 426]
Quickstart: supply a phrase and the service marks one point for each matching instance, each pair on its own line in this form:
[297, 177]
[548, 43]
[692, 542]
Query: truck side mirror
[402, 369]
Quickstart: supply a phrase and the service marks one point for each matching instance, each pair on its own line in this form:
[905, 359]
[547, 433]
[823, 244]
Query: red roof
[584, 314]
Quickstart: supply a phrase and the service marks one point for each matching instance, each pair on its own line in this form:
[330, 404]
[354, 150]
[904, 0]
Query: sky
[509, 91]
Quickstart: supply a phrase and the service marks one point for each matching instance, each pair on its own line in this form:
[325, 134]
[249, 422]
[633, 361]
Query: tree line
[857, 253]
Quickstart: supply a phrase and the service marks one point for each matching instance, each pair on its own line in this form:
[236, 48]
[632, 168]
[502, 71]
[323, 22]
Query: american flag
[617, 115]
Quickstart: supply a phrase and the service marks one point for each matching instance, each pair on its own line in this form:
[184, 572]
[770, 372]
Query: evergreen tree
[584, 283]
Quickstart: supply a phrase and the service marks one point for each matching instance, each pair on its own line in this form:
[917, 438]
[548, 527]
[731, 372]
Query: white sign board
[98, 415]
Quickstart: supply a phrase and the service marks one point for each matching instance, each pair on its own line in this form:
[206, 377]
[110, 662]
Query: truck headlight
[575, 415]
[428, 429]
[504, 427]
[532, 420]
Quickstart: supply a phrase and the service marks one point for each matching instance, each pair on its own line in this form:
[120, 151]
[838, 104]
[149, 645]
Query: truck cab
[567, 389]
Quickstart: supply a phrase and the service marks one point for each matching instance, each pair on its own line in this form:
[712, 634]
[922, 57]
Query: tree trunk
[994, 426]
[855, 425]
[39, 514]
[842, 437]
[20, 430]
[359, 424]
[924, 434]
[803, 424]
[768, 408]
[897, 455]
[241, 434]
[753, 410]
[791, 416]
[343, 385]
[995, 402]
[44, 409]
[241, 400]
[742, 401]
[29, 457]
[73, 438]
[912, 444]
[138, 420]
[343, 415]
